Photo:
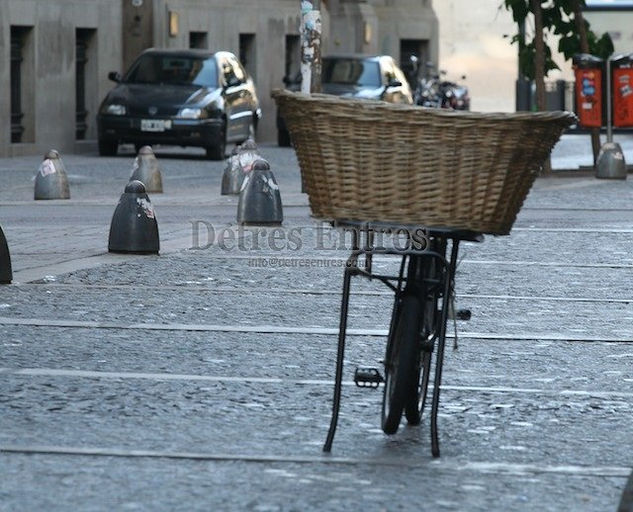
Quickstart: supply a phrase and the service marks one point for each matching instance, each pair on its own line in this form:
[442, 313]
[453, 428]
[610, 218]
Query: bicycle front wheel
[401, 363]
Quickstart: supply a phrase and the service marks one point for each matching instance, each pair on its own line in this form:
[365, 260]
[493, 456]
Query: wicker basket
[375, 161]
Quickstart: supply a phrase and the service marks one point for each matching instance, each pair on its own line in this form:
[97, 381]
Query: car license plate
[155, 125]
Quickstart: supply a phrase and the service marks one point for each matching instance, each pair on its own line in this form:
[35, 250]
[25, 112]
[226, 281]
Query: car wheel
[108, 147]
[218, 151]
[283, 138]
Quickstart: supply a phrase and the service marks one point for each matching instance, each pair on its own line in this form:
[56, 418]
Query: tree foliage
[558, 20]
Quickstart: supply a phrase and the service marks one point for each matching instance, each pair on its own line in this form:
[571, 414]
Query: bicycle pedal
[367, 377]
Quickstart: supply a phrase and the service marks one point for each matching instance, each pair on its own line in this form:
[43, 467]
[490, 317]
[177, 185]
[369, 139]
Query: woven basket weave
[375, 161]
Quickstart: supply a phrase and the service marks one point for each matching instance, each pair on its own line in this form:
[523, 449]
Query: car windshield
[351, 72]
[176, 70]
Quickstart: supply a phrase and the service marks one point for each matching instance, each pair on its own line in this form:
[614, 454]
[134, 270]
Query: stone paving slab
[262, 419]
[107, 483]
[504, 316]
[581, 193]
[547, 367]
[474, 276]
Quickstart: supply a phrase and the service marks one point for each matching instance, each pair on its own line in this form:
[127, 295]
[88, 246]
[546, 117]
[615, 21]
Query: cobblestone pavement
[201, 379]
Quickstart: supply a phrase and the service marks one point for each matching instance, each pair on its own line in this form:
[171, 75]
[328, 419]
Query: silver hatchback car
[372, 77]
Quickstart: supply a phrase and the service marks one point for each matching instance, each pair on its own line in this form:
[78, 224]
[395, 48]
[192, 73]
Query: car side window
[232, 74]
[388, 72]
[239, 71]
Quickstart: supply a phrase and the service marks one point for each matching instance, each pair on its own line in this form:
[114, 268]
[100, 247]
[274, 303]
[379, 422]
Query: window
[16, 86]
[417, 48]
[247, 52]
[292, 67]
[85, 73]
[198, 40]
[22, 85]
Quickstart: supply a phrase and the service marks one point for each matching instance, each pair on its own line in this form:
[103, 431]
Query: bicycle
[393, 167]
[423, 295]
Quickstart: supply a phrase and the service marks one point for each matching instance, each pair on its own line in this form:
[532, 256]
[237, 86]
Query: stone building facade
[55, 55]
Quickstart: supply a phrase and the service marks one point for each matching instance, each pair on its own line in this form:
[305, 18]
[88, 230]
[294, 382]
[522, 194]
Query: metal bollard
[239, 165]
[51, 181]
[145, 169]
[134, 228]
[610, 163]
[260, 200]
[6, 274]
[248, 154]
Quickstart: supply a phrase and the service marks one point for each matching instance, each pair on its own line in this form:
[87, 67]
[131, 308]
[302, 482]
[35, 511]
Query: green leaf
[602, 47]
[569, 46]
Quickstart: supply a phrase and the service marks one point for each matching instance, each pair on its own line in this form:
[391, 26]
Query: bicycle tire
[401, 363]
[417, 398]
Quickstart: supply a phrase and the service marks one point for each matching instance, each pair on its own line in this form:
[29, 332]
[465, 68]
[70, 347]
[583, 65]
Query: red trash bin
[588, 71]
[622, 72]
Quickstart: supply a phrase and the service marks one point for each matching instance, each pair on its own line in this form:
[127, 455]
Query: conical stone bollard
[6, 274]
[145, 169]
[248, 154]
[51, 181]
[260, 200]
[610, 163]
[134, 228]
[233, 175]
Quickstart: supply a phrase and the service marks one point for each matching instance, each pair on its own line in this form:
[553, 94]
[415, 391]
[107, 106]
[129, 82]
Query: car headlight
[115, 109]
[192, 113]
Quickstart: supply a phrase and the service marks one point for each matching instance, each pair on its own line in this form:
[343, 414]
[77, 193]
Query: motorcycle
[431, 91]
[455, 96]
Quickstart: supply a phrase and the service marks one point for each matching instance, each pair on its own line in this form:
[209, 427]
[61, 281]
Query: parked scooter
[431, 91]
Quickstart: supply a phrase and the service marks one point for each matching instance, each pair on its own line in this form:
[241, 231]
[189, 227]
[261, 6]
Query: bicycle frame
[418, 279]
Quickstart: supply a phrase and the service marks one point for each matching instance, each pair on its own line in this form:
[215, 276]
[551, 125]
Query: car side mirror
[394, 83]
[115, 76]
[232, 81]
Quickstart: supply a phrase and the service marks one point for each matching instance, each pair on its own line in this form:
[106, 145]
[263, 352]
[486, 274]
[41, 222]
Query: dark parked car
[372, 77]
[180, 97]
